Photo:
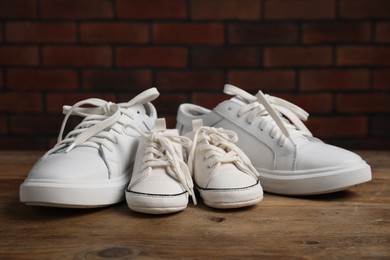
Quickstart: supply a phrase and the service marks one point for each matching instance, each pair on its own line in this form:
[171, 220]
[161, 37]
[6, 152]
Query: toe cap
[321, 155]
[78, 165]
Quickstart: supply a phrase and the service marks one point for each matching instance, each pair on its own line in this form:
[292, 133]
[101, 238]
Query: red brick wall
[331, 57]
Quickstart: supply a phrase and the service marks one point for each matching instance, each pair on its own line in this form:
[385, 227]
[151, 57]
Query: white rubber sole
[314, 182]
[156, 203]
[73, 195]
[232, 198]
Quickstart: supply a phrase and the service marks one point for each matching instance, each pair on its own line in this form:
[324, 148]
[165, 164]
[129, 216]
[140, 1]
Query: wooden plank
[349, 224]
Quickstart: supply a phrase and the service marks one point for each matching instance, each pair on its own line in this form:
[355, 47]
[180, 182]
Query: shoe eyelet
[138, 112]
[229, 108]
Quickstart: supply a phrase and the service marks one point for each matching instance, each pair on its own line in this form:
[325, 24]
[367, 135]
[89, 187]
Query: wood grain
[343, 225]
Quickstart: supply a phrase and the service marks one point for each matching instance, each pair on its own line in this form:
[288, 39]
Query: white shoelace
[271, 109]
[93, 130]
[217, 144]
[161, 152]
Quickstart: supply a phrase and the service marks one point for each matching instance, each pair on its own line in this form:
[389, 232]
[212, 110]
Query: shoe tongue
[228, 168]
[297, 136]
[239, 101]
[135, 109]
[245, 102]
[264, 114]
[138, 109]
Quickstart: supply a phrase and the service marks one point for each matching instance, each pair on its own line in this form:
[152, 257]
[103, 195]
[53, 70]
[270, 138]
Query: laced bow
[98, 118]
[218, 145]
[161, 152]
[285, 114]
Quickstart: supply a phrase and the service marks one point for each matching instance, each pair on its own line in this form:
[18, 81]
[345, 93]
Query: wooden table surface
[345, 225]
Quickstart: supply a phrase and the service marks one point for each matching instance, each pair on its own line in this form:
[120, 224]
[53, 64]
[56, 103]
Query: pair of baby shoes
[169, 167]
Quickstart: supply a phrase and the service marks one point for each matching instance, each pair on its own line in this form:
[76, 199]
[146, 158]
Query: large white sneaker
[288, 158]
[223, 174]
[161, 182]
[92, 165]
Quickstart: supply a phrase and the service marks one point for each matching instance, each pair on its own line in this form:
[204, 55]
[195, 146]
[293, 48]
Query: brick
[225, 10]
[75, 9]
[18, 55]
[363, 143]
[167, 103]
[1, 79]
[3, 124]
[336, 32]
[188, 33]
[42, 79]
[17, 9]
[172, 57]
[171, 121]
[299, 9]
[51, 142]
[23, 143]
[225, 57]
[72, 122]
[364, 9]
[40, 32]
[383, 32]
[380, 126]
[243, 33]
[114, 32]
[342, 126]
[55, 101]
[313, 80]
[151, 9]
[77, 56]
[20, 102]
[125, 80]
[381, 79]
[35, 124]
[363, 103]
[208, 100]
[320, 103]
[297, 56]
[189, 80]
[363, 56]
[263, 79]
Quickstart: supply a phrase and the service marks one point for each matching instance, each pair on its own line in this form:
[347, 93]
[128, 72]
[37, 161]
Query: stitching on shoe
[155, 195]
[227, 189]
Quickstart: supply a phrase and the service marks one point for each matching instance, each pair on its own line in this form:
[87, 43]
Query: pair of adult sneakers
[93, 164]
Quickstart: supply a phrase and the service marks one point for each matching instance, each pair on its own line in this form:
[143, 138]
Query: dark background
[331, 57]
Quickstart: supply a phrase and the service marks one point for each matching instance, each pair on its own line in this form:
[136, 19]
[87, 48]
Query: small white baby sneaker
[161, 182]
[223, 174]
[92, 165]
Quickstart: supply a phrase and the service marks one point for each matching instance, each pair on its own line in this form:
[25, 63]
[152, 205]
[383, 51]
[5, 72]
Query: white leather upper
[216, 163]
[153, 180]
[159, 167]
[86, 163]
[260, 139]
